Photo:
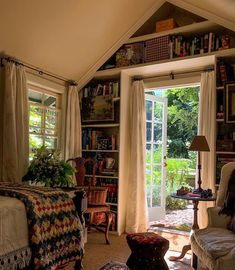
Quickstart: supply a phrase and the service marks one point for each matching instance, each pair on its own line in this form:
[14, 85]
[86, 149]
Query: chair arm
[216, 220]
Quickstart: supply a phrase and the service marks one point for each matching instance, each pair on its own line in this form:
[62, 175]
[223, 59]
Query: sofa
[214, 246]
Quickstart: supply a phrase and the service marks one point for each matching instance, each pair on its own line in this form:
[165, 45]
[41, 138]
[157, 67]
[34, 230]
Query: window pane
[148, 132]
[35, 97]
[35, 130]
[148, 193]
[51, 142]
[156, 196]
[158, 110]
[50, 101]
[157, 175]
[35, 141]
[35, 116]
[148, 174]
[157, 133]
[157, 153]
[149, 108]
[50, 132]
[51, 117]
[148, 153]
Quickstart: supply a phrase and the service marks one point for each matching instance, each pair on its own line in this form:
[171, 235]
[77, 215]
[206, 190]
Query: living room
[77, 73]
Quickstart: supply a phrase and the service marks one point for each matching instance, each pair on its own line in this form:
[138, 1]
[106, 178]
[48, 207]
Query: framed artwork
[97, 108]
[230, 102]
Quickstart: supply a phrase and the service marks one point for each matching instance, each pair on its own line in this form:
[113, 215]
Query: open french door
[156, 134]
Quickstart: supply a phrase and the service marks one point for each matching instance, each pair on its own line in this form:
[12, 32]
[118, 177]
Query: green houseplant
[47, 168]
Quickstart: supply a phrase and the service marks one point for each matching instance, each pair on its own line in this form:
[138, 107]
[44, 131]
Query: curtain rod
[172, 74]
[39, 70]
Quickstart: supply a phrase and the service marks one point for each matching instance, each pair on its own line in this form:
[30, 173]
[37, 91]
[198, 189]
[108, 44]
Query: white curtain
[136, 213]
[73, 124]
[15, 121]
[207, 108]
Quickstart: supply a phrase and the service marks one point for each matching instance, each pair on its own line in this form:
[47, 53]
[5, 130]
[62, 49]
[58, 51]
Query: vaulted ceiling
[72, 37]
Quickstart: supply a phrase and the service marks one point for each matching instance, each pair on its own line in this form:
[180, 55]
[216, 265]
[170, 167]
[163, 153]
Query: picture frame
[97, 109]
[230, 102]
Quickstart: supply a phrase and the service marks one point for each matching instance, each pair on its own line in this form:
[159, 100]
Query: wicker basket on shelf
[96, 195]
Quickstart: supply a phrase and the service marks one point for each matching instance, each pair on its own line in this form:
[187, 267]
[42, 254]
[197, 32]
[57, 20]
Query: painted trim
[167, 83]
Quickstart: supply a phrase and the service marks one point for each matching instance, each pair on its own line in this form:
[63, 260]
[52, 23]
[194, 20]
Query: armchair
[215, 245]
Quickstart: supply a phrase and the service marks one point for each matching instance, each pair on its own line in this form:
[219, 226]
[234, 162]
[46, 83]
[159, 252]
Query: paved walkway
[177, 219]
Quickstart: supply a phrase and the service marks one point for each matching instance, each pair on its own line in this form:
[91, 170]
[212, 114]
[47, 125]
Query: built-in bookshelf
[225, 123]
[199, 38]
[100, 105]
[191, 46]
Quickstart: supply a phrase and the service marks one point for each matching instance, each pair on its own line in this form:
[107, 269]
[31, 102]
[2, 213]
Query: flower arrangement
[47, 167]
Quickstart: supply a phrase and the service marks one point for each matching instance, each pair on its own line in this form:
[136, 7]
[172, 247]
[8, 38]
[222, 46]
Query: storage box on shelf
[100, 136]
[165, 25]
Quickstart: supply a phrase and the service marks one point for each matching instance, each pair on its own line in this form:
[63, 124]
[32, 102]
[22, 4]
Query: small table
[195, 226]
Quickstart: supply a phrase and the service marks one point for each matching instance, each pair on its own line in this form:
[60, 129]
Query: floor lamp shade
[199, 144]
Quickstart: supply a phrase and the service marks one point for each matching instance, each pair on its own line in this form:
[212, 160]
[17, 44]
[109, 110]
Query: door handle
[164, 163]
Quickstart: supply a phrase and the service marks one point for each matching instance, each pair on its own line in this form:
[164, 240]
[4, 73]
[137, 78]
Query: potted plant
[48, 169]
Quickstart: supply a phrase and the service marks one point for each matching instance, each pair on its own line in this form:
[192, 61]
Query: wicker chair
[96, 196]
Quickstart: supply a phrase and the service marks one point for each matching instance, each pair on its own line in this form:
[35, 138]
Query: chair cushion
[216, 241]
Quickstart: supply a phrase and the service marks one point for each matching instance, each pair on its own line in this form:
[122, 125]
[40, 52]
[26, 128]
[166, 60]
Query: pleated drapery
[14, 123]
[136, 207]
[207, 108]
[73, 124]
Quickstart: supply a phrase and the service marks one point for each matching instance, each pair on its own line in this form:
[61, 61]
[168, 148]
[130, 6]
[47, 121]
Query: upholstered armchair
[215, 245]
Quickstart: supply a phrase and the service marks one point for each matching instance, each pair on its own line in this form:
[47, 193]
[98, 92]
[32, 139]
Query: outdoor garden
[182, 122]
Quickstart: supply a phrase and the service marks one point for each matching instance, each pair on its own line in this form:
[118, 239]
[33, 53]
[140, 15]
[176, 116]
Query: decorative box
[130, 54]
[165, 25]
[157, 49]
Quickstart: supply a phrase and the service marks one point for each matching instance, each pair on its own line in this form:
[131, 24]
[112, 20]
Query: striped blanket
[55, 231]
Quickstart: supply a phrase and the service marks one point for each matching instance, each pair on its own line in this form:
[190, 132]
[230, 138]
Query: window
[44, 118]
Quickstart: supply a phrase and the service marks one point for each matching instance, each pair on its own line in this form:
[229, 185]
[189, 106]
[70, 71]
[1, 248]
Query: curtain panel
[207, 115]
[73, 124]
[14, 123]
[136, 207]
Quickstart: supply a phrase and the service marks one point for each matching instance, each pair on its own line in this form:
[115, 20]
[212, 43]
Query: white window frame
[58, 96]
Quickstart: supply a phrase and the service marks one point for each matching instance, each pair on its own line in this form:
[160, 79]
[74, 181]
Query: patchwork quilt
[55, 231]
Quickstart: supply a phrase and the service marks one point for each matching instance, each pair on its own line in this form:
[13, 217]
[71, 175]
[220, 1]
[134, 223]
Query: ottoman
[148, 250]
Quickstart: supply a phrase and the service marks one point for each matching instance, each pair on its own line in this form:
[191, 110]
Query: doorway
[171, 124]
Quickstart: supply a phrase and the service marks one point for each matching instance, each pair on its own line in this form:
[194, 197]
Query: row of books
[180, 46]
[102, 89]
[167, 47]
[225, 159]
[97, 140]
[225, 72]
[112, 194]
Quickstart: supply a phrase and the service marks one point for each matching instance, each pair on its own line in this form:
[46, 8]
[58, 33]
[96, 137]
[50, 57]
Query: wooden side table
[195, 226]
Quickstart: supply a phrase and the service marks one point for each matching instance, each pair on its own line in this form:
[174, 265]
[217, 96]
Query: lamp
[199, 144]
